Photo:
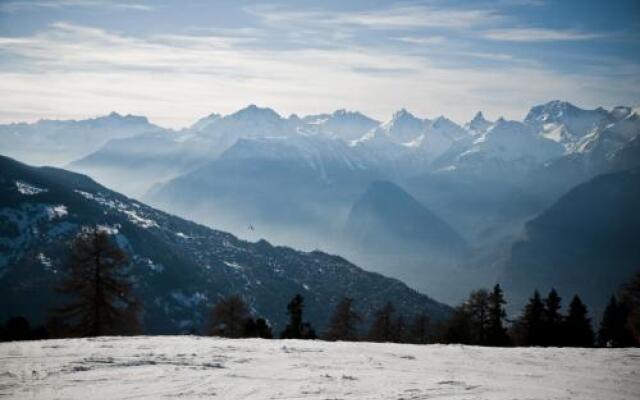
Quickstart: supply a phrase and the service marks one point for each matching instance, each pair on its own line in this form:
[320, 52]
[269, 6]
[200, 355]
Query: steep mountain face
[565, 123]
[280, 185]
[178, 268]
[511, 141]
[403, 127]
[388, 220]
[146, 160]
[388, 230]
[343, 124]
[478, 125]
[613, 146]
[587, 243]
[59, 142]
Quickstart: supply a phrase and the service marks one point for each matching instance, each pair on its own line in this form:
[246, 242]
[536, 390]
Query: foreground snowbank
[193, 367]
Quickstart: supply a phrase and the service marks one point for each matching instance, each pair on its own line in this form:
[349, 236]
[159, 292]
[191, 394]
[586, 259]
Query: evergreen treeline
[101, 301]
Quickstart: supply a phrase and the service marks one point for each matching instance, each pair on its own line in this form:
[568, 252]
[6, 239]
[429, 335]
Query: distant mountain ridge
[178, 268]
[587, 243]
[297, 178]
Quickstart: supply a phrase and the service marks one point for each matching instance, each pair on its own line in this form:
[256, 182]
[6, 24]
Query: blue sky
[175, 61]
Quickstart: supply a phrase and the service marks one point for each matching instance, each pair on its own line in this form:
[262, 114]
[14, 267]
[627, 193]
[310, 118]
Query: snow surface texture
[193, 367]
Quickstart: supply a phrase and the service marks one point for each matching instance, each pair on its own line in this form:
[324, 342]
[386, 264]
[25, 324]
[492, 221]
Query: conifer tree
[614, 331]
[400, 330]
[103, 300]
[257, 328]
[419, 329]
[478, 309]
[297, 329]
[531, 322]
[577, 325]
[458, 329]
[383, 327]
[497, 333]
[631, 297]
[229, 317]
[343, 324]
[552, 319]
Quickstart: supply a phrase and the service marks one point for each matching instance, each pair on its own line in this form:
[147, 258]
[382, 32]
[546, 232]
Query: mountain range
[301, 181]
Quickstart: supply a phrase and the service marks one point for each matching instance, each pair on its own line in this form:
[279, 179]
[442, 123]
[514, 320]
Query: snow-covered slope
[189, 367]
[343, 124]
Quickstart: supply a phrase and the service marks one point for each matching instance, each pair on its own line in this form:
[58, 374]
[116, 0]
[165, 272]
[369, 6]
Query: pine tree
[497, 333]
[257, 328]
[577, 325]
[103, 301]
[614, 331]
[419, 329]
[478, 309]
[552, 319]
[531, 322]
[383, 327]
[400, 330]
[296, 329]
[631, 297]
[343, 324]
[229, 317]
[458, 328]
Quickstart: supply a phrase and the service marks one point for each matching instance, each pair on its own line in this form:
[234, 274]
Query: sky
[177, 61]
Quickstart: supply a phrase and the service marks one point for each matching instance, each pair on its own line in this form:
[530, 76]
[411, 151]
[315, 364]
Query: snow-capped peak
[202, 123]
[478, 124]
[254, 112]
[402, 114]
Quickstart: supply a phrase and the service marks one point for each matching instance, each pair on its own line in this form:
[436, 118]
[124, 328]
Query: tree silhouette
[344, 321]
[531, 324]
[478, 309]
[577, 325]
[614, 331]
[103, 301]
[631, 297]
[257, 328]
[296, 329]
[383, 327]
[419, 329]
[229, 317]
[552, 319]
[497, 333]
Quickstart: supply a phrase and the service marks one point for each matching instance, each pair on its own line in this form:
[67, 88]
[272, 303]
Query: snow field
[188, 367]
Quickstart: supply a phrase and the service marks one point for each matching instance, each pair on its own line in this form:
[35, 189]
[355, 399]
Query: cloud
[22, 5]
[68, 70]
[390, 18]
[422, 40]
[540, 35]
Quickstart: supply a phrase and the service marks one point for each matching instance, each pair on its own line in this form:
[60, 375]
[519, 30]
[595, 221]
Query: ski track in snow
[188, 367]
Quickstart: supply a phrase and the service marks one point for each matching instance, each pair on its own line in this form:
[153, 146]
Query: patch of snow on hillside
[28, 189]
[132, 215]
[44, 260]
[140, 221]
[189, 367]
[59, 211]
[189, 301]
[110, 230]
[233, 265]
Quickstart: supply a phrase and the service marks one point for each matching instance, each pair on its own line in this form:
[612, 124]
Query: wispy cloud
[422, 40]
[12, 6]
[175, 79]
[394, 17]
[541, 35]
